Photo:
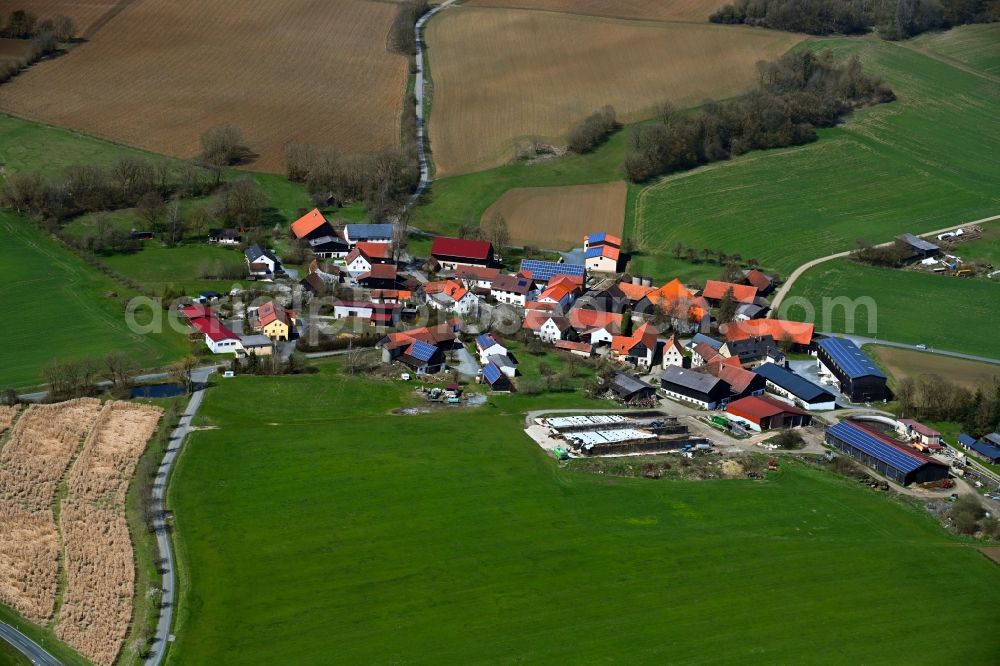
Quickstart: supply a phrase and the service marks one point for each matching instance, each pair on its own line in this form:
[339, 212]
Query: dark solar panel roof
[492, 372]
[850, 358]
[798, 386]
[422, 351]
[873, 446]
[918, 243]
[485, 341]
[543, 271]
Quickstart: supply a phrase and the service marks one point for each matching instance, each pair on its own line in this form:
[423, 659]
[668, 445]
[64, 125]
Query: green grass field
[61, 309]
[954, 314]
[157, 266]
[315, 527]
[972, 45]
[11, 657]
[924, 162]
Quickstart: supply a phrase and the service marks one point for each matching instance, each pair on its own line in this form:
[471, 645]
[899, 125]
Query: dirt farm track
[159, 72]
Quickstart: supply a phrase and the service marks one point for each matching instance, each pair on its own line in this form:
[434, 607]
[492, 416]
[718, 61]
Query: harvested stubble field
[160, 73]
[559, 217]
[655, 10]
[32, 463]
[97, 604]
[903, 363]
[7, 416]
[86, 14]
[503, 75]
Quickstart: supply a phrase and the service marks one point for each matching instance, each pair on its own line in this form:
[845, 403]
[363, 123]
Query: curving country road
[168, 599]
[35, 653]
[797, 273]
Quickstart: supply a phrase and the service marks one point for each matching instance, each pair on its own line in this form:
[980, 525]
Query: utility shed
[629, 389]
[892, 459]
[860, 380]
[915, 249]
[761, 413]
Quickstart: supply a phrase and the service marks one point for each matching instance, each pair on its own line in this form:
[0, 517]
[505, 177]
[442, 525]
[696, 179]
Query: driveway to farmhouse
[797, 273]
[467, 364]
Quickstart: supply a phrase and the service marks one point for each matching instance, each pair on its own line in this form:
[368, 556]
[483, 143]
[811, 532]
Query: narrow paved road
[419, 93]
[35, 653]
[859, 340]
[162, 637]
[797, 273]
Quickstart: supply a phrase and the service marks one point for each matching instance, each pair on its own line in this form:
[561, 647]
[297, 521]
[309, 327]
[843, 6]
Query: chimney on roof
[647, 282]
[637, 280]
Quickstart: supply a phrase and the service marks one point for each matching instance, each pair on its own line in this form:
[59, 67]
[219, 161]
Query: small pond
[157, 391]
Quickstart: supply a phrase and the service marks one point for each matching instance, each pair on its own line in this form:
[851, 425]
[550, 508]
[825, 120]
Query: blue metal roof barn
[895, 461]
[850, 358]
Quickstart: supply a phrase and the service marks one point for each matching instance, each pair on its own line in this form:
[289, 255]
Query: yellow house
[275, 321]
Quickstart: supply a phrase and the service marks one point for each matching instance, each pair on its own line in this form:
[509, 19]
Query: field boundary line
[105, 18]
[947, 60]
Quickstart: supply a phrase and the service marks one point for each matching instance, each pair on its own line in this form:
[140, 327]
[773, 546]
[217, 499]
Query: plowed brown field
[559, 217]
[656, 10]
[503, 75]
[161, 72]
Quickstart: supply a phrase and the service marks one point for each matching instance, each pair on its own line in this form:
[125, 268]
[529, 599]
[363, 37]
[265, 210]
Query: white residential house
[487, 346]
[511, 289]
[673, 354]
[555, 328]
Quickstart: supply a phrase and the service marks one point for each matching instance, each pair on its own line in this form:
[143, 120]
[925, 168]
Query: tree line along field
[941, 311]
[907, 363]
[88, 15]
[559, 217]
[452, 538]
[160, 73]
[654, 10]
[921, 163]
[502, 76]
[67, 554]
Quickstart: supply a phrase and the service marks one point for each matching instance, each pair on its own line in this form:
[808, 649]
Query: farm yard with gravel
[490, 94]
[559, 217]
[99, 446]
[160, 73]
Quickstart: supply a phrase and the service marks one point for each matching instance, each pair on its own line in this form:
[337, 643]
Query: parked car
[921, 346]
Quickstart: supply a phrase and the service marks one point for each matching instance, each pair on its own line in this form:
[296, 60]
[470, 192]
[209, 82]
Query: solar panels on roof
[492, 372]
[422, 351]
[485, 341]
[543, 271]
[850, 358]
[873, 446]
